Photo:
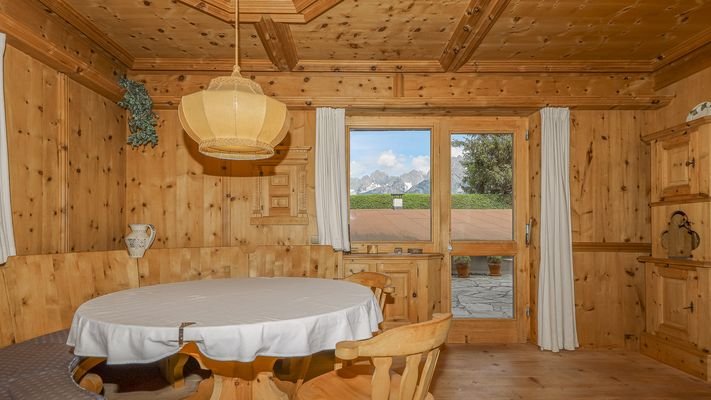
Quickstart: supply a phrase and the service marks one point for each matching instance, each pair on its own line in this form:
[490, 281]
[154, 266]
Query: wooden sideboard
[678, 274]
[416, 278]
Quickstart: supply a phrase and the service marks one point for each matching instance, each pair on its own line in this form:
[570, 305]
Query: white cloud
[388, 159]
[358, 169]
[421, 163]
[457, 151]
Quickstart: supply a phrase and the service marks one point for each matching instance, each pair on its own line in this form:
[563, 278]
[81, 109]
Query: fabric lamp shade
[233, 120]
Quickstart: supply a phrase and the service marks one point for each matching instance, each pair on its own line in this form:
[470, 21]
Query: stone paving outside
[483, 296]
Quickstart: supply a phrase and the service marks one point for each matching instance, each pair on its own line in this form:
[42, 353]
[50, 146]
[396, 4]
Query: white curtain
[331, 184]
[7, 237]
[556, 298]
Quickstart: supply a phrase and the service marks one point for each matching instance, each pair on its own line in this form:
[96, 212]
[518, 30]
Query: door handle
[529, 225]
[690, 307]
[691, 163]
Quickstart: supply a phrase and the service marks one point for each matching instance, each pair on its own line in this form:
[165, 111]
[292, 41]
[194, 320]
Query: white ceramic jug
[139, 240]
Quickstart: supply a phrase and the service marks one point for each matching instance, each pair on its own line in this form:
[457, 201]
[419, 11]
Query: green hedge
[371, 201]
[481, 201]
[422, 201]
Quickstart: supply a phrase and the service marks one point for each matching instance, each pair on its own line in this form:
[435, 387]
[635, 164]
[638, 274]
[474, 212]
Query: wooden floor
[488, 372]
[492, 372]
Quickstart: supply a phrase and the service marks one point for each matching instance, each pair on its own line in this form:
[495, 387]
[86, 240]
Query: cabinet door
[354, 267]
[674, 167]
[672, 309]
[402, 307]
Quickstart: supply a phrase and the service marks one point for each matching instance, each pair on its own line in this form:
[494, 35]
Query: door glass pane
[482, 186]
[390, 185]
[482, 287]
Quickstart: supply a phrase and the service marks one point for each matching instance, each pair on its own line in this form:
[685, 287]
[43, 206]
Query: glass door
[488, 283]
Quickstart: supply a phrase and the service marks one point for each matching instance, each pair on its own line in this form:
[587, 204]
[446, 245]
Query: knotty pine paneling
[45, 290]
[96, 164]
[687, 94]
[67, 161]
[197, 201]
[534, 190]
[42, 34]
[303, 88]
[241, 191]
[176, 188]
[34, 101]
[609, 299]
[609, 191]
[7, 327]
[609, 177]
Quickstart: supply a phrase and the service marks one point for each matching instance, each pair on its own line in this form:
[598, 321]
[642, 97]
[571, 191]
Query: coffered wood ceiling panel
[166, 29]
[492, 36]
[593, 29]
[380, 30]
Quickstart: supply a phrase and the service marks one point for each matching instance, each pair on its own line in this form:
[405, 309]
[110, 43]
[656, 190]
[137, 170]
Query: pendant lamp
[232, 119]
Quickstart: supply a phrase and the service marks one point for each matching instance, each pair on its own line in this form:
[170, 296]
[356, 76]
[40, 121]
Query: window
[390, 197]
[482, 186]
[483, 287]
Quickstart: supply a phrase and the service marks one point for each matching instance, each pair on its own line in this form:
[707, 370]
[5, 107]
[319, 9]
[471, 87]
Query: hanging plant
[143, 120]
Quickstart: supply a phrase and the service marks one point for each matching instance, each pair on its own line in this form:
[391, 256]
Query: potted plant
[494, 265]
[462, 265]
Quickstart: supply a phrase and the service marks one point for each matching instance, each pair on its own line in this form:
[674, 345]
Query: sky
[393, 152]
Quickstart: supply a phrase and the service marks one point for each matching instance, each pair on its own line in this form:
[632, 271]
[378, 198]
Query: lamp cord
[236, 69]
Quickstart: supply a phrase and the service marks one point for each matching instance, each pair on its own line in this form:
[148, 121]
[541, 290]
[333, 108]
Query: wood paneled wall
[470, 94]
[609, 185]
[39, 293]
[687, 94]
[197, 201]
[67, 161]
[39, 32]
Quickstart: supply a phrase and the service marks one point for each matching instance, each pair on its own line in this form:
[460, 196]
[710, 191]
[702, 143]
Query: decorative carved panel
[679, 239]
[280, 189]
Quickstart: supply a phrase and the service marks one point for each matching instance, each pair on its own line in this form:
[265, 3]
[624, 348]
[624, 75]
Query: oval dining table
[237, 328]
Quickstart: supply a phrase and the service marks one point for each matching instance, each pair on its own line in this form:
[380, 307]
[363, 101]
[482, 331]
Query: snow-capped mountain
[415, 181]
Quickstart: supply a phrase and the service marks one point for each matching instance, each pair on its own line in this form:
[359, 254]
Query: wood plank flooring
[494, 372]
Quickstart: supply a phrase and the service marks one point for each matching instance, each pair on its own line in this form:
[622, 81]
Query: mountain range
[415, 181]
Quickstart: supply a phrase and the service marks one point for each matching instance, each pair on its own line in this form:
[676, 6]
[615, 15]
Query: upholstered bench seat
[40, 368]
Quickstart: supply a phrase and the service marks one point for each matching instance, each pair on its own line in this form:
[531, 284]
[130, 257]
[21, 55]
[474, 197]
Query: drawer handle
[414, 294]
[690, 308]
[691, 163]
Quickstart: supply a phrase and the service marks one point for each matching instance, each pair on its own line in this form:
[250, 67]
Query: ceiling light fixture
[232, 119]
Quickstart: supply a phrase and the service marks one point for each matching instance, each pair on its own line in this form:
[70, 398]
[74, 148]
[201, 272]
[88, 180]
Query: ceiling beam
[282, 11]
[278, 42]
[514, 104]
[191, 65]
[683, 49]
[62, 9]
[558, 66]
[479, 18]
[683, 67]
[394, 66]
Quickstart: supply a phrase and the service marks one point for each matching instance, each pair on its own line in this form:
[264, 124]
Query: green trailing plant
[494, 259]
[460, 260]
[142, 122]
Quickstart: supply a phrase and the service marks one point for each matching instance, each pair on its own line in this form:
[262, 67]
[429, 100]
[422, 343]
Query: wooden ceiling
[396, 35]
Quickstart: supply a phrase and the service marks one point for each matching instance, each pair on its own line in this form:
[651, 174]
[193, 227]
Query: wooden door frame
[515, 330]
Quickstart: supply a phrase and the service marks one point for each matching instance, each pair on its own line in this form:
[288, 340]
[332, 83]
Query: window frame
[374, 123]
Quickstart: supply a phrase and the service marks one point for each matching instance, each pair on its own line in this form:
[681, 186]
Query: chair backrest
[380, 284]
[414, 342]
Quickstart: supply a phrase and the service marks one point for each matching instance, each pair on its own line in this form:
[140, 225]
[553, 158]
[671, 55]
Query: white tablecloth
[235, 319]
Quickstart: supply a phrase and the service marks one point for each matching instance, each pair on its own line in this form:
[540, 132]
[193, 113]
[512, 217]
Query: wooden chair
[380, 284]
[413, 342]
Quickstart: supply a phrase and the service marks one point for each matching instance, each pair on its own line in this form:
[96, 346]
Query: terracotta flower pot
[494, 269]
[462, 270]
